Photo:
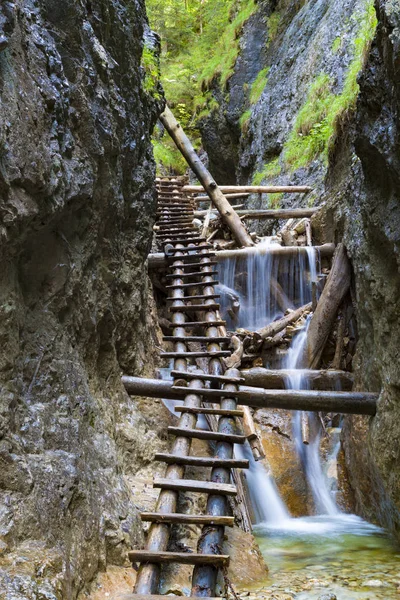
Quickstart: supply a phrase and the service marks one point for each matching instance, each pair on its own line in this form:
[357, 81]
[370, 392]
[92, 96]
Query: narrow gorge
[199, 240]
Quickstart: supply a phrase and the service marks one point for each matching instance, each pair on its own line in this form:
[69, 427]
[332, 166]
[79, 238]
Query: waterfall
[266, 501]
[264, 285]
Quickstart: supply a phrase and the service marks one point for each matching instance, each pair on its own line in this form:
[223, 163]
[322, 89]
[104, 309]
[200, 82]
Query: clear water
[341, 554]
[332, 552]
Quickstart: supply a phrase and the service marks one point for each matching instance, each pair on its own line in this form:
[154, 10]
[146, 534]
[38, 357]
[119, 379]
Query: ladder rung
[200, 297]
[196, 338]
[206, 376]
[201, 434]
[225, 412]
[200, 461]
[200, 323]
[210, 263]
[194, 307]
[182, 518]
[184, 558]
[204, 245]
[177, 286]
[157, 597]
[207, 393]
[185, 257]
[193, 485]
[194, 274]
[199, 354]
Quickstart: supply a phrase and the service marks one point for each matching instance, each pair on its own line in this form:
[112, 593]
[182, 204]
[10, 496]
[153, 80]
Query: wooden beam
[202, 434]
[228, 214]
[362, 403]
[228, 196]
[181, 518]
[158, 260]
[184, 558]
[336, 287]
[201, 461]
[253, 189]
[194, 485]
[209, 411]
[294, 213]
[280, 378]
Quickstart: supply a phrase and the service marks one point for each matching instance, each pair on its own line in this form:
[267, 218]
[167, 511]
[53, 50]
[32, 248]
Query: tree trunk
[277, 326]
[335, 290]
[228, 215]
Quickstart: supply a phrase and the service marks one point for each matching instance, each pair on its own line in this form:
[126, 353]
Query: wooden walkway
[194, 313]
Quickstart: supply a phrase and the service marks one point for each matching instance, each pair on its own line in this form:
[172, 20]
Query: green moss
[320, 118]
[244, 120]
[258, 85]
[223, 59]
[274, 200]
[337, 44]
[151, 70]
[270, 169]
[273, 26]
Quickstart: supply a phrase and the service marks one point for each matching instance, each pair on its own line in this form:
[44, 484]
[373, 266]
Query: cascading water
[308, 453]
[265, 285]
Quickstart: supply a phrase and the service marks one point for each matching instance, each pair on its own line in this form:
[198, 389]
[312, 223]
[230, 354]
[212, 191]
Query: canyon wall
[77, 207]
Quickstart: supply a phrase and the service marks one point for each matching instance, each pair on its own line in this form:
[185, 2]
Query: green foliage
[151, 72]
[258, 85]
[225, 52]
[273, 26]
[320, 118]
[274, 200]
[337, 44]
[270, 170]
[167, 157]
[244, 120]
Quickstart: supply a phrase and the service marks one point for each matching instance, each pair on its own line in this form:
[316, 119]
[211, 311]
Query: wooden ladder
[190, 264]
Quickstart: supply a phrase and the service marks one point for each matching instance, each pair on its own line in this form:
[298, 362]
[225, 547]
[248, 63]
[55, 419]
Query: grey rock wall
[76, 213]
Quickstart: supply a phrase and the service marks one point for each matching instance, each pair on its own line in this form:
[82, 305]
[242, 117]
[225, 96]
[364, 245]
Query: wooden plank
[214, 323]
[193, 307]
[201, 434]
[294, 213]
[210, 263]
[193, 485]
[199, 354]
[196, 338]
[182, 518]
[184, 558]
[189, 257]
[207, 377]
[157, 597]
[201, 461]
[253, 189]
[194, 273]
[226, 412]
[177, 286]
[198, 297]
[203, 243]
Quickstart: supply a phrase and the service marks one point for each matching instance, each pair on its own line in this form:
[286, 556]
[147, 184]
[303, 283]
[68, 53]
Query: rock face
[76, 208]
[295, 42]
[372, 234]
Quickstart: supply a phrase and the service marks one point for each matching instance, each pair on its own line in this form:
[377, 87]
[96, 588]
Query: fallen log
[336, 287]
[253, 189]
[157, 260]
[276, 326]
[280, 379]
[228, 196]
[295, 213]
[362, 403]
[228, 215]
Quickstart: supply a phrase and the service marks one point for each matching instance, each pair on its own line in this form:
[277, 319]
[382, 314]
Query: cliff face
[372, 235]
[358, 182]
[287, 50]
[76, 209]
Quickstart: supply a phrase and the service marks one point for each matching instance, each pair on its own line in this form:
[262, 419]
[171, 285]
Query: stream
[326, 554]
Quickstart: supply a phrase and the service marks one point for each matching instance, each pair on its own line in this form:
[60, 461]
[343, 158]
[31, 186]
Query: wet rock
[327, 597]
[76, 213]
